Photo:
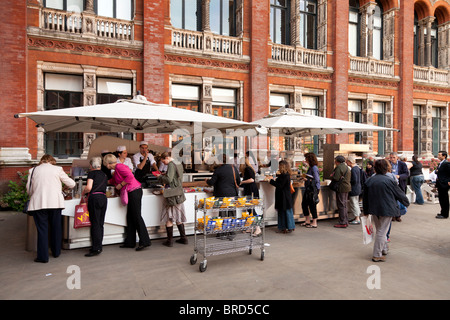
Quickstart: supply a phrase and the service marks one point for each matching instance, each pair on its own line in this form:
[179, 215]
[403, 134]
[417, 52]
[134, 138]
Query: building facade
[383, 62]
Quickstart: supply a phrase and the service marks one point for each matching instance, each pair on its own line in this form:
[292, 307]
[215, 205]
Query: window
[119, 9]
[378, 32]
[222, 17]
[111, 90]
[353, 28]
[66, 5]
[434, 44]
[378, 120]
[436, 122]
[416, 116]
[310, 106]
[355, 115]
[186, 97]
[186, 14]
[224, 102]
[416, 40]
[278, 100]
[63, 91]
[308, 24]
[279, 21]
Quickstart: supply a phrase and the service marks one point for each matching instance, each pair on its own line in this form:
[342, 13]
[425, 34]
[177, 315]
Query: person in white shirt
[144, 162]
[122, 157]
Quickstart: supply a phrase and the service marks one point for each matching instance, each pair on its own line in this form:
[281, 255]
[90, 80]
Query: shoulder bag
[173, 192]
[334, 185]
[27, 203]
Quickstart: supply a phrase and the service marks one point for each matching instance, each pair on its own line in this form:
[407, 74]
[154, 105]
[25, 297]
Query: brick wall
[13, 62]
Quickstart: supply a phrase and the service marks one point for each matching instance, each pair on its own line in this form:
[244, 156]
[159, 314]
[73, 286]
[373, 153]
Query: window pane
[226, 17]
[353, 39]
[190, 14]
[215, 16]
[114, 86]
[63, 82]
[124, 9]
[176, 13]
[75, 5]
[377, 45]
[105, 8]
[55, 4]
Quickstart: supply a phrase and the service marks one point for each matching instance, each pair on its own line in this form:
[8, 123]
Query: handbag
[124, 195]
[173, 192]
[334, 185]
[81, 217]
[27, 203]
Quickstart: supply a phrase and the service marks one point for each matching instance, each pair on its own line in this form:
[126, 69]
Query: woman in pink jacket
[123, 178]
[46, 203]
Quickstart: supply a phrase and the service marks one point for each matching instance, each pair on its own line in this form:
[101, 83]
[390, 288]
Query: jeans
[286, 219]
[416, 183]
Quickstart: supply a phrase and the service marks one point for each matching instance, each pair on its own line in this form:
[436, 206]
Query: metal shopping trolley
[227, 225]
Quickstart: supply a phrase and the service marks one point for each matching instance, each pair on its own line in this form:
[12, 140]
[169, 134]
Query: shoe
[341, 225]
[183, 239]
[354, 222]
[378, 259]
[305, 224]
[93, 253]
[126, 246]
[385, 252]
[310, 226]
[39, 260]
[139, 248]
[440, 216]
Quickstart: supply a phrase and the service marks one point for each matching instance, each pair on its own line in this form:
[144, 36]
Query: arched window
[308, 24]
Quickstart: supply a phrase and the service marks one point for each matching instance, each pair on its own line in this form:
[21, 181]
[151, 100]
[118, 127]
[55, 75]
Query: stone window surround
[90, 74]
[367, 101]
[426, 127]
[206, 84]
[295, 97]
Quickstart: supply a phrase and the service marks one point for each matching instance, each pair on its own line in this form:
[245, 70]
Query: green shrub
[17, 195]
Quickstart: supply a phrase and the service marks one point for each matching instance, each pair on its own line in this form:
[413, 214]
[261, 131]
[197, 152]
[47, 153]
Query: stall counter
[115, 219]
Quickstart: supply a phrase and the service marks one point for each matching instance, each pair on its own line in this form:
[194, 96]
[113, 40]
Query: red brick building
[385, 62]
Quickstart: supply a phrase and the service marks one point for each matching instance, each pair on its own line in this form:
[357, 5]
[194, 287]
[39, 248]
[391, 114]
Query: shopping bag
[368, 229]
[81, 217]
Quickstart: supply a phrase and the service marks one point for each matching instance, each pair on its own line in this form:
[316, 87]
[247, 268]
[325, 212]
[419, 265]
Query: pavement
[308, 264]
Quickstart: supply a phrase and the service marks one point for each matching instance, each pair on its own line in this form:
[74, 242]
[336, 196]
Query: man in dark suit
[400, 170]
[443, 184]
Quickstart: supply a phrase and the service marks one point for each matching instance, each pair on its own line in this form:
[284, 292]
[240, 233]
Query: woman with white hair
[124, 178]
[97, 203]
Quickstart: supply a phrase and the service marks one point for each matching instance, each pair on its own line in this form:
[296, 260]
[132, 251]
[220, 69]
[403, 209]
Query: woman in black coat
[380, 197]
[283, 198]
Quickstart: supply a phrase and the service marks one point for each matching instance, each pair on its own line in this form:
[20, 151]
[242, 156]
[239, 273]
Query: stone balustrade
[298, 56]
[86, 24]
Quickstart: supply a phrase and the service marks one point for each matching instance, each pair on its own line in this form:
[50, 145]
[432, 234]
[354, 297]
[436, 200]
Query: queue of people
[382, 179]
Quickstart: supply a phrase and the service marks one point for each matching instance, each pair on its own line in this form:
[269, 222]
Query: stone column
[426, 131]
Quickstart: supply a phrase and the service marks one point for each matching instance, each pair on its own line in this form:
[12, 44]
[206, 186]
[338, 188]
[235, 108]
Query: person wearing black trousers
[97, 204]
[443, 184]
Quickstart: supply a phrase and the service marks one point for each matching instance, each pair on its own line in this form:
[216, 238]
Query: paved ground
[311, 264]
